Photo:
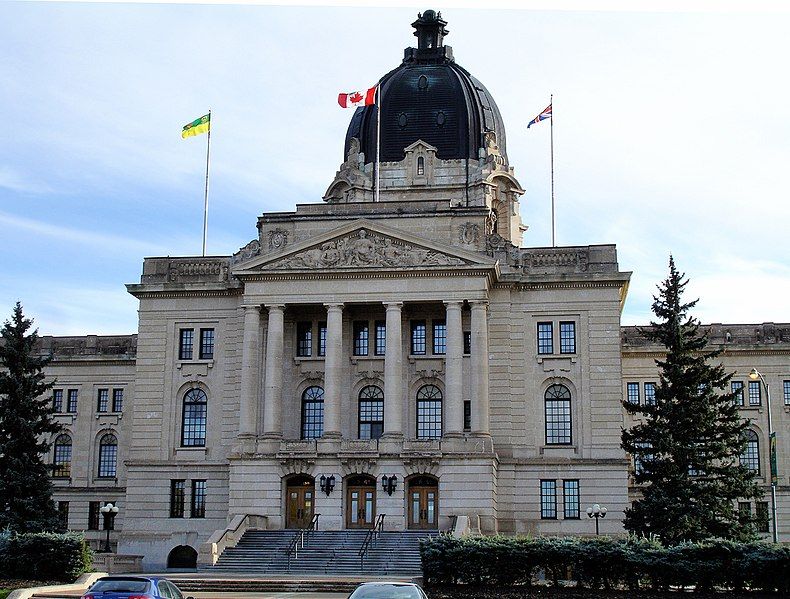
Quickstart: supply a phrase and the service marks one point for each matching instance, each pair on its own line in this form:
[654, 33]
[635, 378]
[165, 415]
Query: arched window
[751, 453]
[108, 456]
[61, 465]
[557, 400]
[429, 412]
[420, 165]
[193, 423]
[312, 413]
[371, 412]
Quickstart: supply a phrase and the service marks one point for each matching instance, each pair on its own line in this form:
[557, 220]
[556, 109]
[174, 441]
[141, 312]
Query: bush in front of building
[604, 562]
[44, 556]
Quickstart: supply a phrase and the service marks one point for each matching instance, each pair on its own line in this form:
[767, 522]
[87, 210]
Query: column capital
[393, 305]
[275, 307]
[251, 307]
[334, 306]
[453, 304]
[479, 304]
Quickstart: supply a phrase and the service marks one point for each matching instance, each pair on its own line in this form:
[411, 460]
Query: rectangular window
[736, 387]
[643, 457]
[206, 344]
[439, 337]
[467, 343]
[304, 339]
[545, 338]
[361, 337]
[570, 493]
[650, 394]
[197, 507]
[321, 339]
[380, 333]
[93, 515]
[177, 498]
[117, 400]
[57, 400]
[71, 406]
[418, 337]
[744, 511]
[567, 337]
[467, 415]
[63, 513]
[548, 499]
[754, 393]
[185, 343]
[633, 393]
[786, 386]
[103, 400]
[763, 518]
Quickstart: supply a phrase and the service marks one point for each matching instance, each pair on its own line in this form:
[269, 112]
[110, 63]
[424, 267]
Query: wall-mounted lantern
[389, 484]
[327, 483]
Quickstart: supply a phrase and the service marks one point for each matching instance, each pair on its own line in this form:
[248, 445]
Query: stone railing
[359, 446]
[422, 446]
[301, 446]
[186, 270]
[114, 563]
[228, 537]
[593, 258]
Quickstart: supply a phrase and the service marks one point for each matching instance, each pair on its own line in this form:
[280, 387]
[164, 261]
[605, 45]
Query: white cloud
[14, 181]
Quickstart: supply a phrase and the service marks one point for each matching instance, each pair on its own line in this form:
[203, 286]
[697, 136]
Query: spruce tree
[687, 444]
[26, 425]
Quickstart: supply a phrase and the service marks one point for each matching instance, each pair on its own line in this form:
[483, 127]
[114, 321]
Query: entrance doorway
[361, 502]
[299, 504]
[423, 500]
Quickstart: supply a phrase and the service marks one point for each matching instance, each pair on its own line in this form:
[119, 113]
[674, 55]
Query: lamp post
[108, 512]
[757, 375]
[597, 511]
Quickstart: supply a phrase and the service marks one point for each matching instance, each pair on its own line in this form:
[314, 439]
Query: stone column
[393, 372]
[333, 370]
[480, 411]
[453, 383]
[250, 360]
[273, 390]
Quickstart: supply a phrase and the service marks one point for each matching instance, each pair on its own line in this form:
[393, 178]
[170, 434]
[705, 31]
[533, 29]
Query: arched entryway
[182, 556]
[299, 501]
[360, 501]
[423, 500]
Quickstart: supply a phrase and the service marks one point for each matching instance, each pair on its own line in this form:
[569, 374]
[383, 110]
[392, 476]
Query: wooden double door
[299, 503]
[361, 502]
[423, 498]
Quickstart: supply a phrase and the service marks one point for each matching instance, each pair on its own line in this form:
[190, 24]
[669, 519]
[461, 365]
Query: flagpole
[377, 193]
[205, 197]
[553, 230]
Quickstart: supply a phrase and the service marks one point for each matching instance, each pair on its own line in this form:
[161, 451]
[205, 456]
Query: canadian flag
[354, 99]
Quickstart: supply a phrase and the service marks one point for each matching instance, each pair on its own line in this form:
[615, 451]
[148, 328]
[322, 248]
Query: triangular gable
[364, 244]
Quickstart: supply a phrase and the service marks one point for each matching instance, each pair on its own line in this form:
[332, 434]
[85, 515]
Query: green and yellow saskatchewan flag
[196, 127]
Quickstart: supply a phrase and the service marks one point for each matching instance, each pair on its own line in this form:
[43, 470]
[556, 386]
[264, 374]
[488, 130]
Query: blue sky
[671, 135]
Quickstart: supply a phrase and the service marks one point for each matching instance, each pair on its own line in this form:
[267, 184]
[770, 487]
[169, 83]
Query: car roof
[389, 582]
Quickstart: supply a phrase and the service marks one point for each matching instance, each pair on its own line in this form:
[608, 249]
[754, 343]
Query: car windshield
[386, 591]
[120, 585]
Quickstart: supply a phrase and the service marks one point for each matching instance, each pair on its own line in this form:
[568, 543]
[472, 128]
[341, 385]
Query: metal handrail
[300, 539]
[373, 535]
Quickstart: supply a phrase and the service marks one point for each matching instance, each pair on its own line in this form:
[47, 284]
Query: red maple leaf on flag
[355, 97]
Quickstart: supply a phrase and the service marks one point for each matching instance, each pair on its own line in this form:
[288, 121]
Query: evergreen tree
[26, 425]
[687, 444]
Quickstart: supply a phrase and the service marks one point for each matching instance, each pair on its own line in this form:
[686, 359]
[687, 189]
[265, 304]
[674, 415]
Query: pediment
[365, 245]
[420, 144]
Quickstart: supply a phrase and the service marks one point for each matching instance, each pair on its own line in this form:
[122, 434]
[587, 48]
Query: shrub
[608, 562]
[45, 556]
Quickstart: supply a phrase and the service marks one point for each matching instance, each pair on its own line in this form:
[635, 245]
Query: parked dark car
[133, 587]
[388, 590]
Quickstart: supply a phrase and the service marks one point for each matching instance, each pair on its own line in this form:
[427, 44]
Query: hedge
[44, 556]
[605, 562]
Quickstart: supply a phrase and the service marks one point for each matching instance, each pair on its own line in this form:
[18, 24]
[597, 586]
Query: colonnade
[394, 374]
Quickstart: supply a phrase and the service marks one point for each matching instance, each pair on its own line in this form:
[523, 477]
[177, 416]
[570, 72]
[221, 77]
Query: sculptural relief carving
[252, 249]
[468, 233]
[278, 239]
[364, 248]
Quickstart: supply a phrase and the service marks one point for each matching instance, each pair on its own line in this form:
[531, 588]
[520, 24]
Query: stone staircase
[327, 553]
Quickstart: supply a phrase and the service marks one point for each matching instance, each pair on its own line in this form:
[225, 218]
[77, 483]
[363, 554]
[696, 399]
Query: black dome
[428, 97]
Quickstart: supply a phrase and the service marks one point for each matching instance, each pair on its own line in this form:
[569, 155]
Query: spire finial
[430, 30]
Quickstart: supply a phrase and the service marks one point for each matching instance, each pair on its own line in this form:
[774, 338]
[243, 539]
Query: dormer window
[420, 165]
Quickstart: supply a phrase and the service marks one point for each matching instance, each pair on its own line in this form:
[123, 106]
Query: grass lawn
[12, 584]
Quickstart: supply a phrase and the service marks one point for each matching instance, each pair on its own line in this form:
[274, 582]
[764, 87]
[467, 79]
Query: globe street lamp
[596, 511]
[757, 375]
[108, 512]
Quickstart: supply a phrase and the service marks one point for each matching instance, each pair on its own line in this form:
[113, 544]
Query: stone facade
[392, 330]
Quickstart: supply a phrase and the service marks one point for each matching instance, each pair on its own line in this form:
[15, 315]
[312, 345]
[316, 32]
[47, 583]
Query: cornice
[298, 275]
[169, 294]
[579, 284]
[652, 353]
[84, 362]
